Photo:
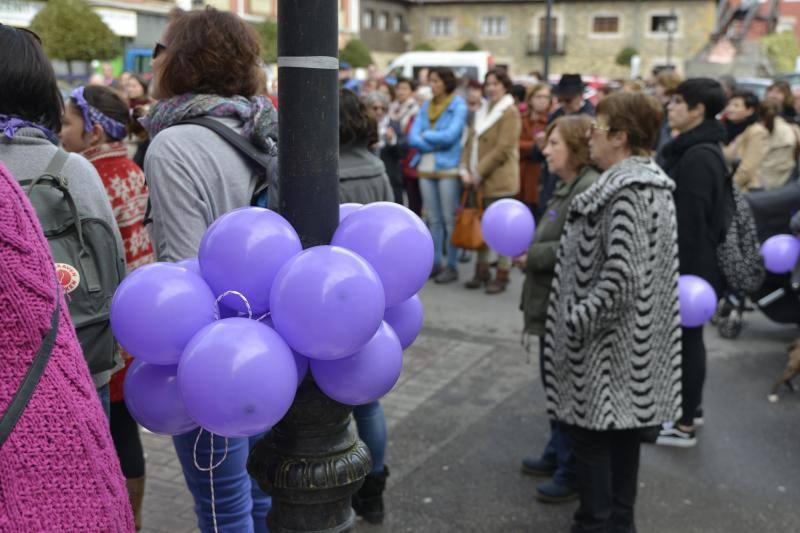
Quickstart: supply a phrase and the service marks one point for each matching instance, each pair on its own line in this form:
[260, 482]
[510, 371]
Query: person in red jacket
[95, 125]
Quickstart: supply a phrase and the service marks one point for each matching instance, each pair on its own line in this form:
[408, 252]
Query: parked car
[474, 65]
[793, 78]
[757, 85]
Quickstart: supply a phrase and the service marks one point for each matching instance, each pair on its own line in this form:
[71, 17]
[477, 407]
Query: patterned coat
[612, 355]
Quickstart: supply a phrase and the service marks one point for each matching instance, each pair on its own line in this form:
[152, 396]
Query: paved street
[469, 405]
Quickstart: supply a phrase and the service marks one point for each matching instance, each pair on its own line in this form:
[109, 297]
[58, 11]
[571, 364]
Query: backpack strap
[57, 164]
[241, 144]
[23, 395]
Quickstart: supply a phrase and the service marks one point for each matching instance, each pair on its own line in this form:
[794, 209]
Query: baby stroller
[778, 296]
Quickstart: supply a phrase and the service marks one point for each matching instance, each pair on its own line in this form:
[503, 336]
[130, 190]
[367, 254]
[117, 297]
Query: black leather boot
[368, 501]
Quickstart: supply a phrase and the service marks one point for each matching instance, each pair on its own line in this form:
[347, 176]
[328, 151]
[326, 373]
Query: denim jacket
[445, 137]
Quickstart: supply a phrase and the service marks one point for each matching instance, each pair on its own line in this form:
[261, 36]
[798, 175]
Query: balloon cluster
[222, 341]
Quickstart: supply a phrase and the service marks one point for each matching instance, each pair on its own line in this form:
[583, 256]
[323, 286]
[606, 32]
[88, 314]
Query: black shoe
[368, 501]
[435, 271]
[448, 275]
[538, 467]
[670, 435]
[552, 492]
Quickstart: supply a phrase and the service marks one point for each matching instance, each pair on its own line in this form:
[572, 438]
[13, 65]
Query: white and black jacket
[612, 356]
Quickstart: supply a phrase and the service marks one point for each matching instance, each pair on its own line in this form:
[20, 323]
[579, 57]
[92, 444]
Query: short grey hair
[376, 97]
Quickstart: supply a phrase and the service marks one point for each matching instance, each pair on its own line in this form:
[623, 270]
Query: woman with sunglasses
[207, 65]
[59, 470]
[612, 353]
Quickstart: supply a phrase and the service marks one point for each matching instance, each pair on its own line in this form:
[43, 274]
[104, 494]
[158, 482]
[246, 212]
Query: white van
[471, 64]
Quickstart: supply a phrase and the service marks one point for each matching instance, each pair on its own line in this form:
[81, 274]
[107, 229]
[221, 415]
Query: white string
[210, 470]
[236, 293]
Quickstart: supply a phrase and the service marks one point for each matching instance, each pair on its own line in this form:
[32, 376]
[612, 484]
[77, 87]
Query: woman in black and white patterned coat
[612, 349]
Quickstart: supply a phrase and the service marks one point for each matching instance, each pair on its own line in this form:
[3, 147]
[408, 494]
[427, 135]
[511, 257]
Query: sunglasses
[158, 49]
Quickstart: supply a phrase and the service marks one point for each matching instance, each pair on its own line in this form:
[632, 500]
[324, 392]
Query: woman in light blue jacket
[437, 133]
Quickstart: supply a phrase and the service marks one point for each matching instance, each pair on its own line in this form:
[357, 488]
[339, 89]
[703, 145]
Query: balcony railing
[536, 44]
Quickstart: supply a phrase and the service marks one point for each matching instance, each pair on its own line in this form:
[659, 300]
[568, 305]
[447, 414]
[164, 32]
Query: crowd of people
[629, 191]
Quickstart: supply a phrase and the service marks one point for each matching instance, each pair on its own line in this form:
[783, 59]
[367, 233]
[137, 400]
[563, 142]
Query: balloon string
[235, 293]
[210, 470]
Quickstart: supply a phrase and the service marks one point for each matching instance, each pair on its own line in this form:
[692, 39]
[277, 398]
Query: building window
[383, 21]
[440, 27]
[369, 19]
[398, 23]
[494, 26]
[605, 24]
[663, 23]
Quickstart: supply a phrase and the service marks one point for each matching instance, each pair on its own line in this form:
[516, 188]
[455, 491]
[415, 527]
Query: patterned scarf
[258, 115]
[9, 126]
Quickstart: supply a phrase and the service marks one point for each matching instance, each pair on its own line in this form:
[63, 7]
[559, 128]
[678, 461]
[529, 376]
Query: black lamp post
[312, 461]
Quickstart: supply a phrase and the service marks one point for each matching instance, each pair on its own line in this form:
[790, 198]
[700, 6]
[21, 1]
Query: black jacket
[702, 198]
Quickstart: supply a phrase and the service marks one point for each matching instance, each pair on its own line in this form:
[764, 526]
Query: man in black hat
[569, 93]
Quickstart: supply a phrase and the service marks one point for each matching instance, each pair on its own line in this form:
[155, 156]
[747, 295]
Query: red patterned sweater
[126, 188]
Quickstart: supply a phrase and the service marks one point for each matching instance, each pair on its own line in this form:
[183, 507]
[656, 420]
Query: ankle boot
[368, 501]
[482, 275]
[498, 284]
[136, 496]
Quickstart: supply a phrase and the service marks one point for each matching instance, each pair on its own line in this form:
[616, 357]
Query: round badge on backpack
[68, 277]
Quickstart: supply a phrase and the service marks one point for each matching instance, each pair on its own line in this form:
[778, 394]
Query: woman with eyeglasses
[207, 64]
[391, 146]
[612, 353]
[59, 470]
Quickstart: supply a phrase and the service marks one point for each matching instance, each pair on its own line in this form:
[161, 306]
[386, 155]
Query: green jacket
[541, 263]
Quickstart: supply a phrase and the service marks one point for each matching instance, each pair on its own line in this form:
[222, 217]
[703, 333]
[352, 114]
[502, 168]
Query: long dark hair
[355, 122]
[28, 87]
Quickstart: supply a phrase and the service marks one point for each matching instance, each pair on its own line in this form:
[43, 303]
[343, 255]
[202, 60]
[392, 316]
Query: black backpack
[88, 263]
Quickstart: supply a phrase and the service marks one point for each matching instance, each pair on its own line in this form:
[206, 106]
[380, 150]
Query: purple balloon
[154, 399]
[346, 209]
[364, 376]
[406, 320]
[193, 265]
[157, 310]
[327, 302]
[508, 227]
[237, 377]
[243, 250]
[780, 253]
[395, 242]
[697, 301]
[300, 360]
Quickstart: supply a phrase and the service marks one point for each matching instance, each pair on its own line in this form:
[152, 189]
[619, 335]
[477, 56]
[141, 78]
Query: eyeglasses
[594, 126]
[158, 49]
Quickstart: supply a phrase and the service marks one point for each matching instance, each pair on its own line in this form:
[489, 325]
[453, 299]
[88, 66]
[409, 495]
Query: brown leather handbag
[467, 231]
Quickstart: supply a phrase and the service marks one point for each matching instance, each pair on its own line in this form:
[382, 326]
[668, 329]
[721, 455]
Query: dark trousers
[693, 373]
[413, 194]
[125, 434]
[558, 450]
[607, 468]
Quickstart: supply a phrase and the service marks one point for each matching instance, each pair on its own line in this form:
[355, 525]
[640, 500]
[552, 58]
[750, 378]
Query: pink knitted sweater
[58, 468]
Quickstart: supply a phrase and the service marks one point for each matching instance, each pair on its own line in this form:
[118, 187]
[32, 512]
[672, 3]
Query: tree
[356, 53]
[268, 31]
[71, 31]
[624, 56]
[469, 46]
[782, 49]
[423, 47]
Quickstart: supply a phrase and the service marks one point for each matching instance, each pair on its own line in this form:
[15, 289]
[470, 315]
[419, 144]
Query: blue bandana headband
[9, 126]
[92, 116]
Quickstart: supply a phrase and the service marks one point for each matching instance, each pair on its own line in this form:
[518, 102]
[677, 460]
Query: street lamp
[312, 461]
[672, 26]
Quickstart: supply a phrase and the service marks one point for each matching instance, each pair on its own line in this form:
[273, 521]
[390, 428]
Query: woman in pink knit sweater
[58, 468]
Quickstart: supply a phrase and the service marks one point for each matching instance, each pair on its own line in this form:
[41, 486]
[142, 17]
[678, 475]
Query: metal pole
[547, 32]
[311, 462]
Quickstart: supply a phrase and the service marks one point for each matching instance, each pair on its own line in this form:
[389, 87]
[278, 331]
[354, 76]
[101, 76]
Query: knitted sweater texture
[58, 468]
[612, 355]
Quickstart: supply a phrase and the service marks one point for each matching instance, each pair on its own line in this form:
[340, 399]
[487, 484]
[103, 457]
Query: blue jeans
[441, 198]
[372, 430]
[241, 505]
[559, 449]
[104, 393]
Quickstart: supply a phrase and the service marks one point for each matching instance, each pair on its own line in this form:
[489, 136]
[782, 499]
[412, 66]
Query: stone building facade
[586, 36]
[385, 28]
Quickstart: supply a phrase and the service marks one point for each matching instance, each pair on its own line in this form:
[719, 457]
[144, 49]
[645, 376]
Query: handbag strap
[20, 400]
[478, 199]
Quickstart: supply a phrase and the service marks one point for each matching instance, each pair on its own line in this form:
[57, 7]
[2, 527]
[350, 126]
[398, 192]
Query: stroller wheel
[730, 326]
